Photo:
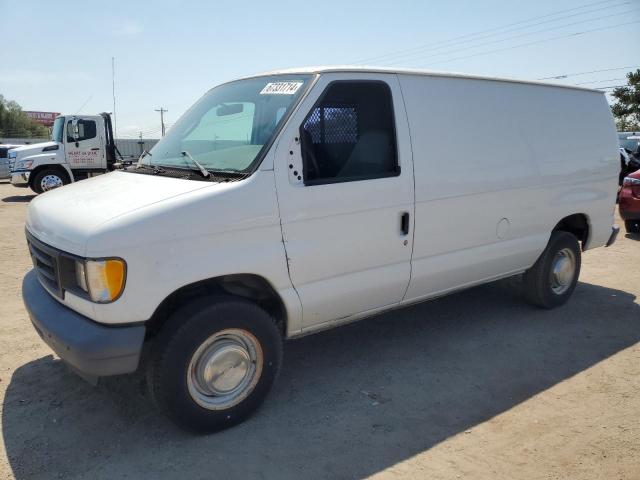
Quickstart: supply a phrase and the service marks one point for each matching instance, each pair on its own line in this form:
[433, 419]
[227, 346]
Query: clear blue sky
[57, 54]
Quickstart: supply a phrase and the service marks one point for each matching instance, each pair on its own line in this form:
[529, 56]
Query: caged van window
[349, 134]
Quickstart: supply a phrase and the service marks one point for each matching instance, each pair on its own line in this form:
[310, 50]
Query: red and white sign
[43, 118]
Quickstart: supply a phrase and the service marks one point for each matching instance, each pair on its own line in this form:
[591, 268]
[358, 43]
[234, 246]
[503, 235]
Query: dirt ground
[476, 385]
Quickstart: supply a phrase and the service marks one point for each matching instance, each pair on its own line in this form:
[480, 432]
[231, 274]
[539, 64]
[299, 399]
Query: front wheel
[214, 363]
[551, 280]
[48, 179]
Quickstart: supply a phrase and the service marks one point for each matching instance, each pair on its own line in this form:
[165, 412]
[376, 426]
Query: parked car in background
[629, 153]
[5, 162]
[629, 202]
[629, 140]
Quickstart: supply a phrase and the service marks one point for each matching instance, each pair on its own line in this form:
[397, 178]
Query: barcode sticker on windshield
[281, 88]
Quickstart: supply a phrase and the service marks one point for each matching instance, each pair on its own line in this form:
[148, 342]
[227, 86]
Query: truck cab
[80, 147]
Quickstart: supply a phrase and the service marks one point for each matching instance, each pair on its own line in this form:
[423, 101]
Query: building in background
[43, 118]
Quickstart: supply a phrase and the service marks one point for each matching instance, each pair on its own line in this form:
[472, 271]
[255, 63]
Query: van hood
[66, 217]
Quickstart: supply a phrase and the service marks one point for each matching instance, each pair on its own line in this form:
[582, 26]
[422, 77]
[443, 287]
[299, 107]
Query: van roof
[411, 71]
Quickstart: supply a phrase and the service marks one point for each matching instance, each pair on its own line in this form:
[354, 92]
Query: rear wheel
[551, 280]
[632, 226]
[214, 363]
[48, 179]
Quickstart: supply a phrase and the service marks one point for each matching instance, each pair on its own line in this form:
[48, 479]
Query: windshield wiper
[155, 168]
[142, 155]
[205, 173]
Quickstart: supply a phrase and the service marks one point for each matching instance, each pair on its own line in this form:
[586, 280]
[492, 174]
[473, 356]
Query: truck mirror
[75, 130]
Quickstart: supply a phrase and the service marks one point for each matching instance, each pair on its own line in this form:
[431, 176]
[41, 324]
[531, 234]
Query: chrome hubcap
[224, 369]
[49, 182]
[563, 269]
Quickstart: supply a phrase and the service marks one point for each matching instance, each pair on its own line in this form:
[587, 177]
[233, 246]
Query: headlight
[24, 165]
[103, 280]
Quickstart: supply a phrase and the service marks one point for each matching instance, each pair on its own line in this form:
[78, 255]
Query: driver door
[344, 180]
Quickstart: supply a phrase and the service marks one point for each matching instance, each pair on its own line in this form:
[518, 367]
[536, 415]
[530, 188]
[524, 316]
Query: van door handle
[404, 223]
[96, 148]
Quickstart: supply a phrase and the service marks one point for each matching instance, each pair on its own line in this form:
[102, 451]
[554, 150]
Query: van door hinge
[294, 162]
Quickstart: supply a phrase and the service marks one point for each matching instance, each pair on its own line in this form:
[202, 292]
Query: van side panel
[497, 166]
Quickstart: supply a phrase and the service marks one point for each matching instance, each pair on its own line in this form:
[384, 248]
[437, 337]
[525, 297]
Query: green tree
[15, 123]
[626, 110]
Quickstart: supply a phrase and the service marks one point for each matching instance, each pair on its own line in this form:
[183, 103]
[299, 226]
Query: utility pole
[162, 112]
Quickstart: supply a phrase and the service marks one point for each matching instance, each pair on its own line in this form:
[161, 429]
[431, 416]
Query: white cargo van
[289, 202]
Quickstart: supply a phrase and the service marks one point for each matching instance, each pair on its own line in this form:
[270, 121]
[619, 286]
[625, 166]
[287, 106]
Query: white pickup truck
[80, 147]
[289, 202]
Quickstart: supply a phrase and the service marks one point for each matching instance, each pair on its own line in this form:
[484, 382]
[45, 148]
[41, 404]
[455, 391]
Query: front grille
[46, 261]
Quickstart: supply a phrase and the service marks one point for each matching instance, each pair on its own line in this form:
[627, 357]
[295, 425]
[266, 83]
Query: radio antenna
[113, 91]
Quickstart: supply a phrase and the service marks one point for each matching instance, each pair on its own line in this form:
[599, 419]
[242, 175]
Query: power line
[475, 34]
[146, 133]
[600, 81]
[143, 130]
[565, 75]
[558, 37]
[525, 34]
[520, 35]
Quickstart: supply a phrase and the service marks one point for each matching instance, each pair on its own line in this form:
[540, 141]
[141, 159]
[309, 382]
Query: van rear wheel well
[576, 224]
[249, 286]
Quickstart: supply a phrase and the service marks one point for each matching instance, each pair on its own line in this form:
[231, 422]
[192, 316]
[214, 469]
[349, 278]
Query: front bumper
[20, 179]
[94, 350]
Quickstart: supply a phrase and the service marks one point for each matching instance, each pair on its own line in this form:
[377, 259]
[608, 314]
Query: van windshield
[227, 129]
[56, 131]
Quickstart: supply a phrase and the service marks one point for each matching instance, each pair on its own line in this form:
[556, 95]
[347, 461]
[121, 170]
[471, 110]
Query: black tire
[632, 226]
[539, 288]
[36, 185]
[190, 328]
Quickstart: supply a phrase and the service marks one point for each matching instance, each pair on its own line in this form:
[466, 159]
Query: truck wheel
[551, 280]
[214, 362]
[632, 226]
[48, 179]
